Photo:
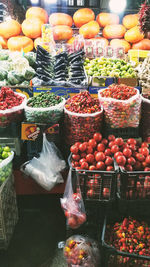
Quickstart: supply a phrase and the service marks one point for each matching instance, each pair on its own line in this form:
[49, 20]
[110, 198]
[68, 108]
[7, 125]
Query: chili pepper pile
[44, 108]
[121, 92]
[11, 109]
[122, 106]
[130, 236]
[44, 100]
[8, 99]
[82, 126]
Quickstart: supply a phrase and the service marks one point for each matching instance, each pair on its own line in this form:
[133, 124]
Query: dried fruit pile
[9, 99]
[144, 17]
[130, 236]
[122, 106]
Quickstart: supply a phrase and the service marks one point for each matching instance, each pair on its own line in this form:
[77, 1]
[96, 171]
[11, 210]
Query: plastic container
[45, 115]
[6, 168]
[81, 127]
[14, 114]
[121, 113]
[145, 119]
[98, 186]
[115, 258]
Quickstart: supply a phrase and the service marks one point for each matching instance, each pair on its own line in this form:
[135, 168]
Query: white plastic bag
[45, 170]
[72, 204]
[121, 113]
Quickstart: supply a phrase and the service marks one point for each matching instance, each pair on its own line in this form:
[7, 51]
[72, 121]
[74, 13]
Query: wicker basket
[8, 212]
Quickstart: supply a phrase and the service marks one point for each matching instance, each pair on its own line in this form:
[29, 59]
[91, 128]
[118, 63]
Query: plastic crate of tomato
[95, 185]
[125, 242]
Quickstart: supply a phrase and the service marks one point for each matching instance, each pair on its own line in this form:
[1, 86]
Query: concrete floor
[35, 241]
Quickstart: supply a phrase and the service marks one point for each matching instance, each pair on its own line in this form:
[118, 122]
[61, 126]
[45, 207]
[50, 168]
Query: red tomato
[131, 141]
[95, 152]
[89, 150]
[137, 166]
[77, 144]
[84, 165]
[82, 147]
[75, 157]
[140, 150]
[145, 151]
[121, 160]
[133, 147]
[144, 164]
[74, 149]
[107, 152]
[127, 152]
[111, 143]
[119, 141]
[104, 141]
[97, 137]
[92, 168]
[114, 149]
[131, 161]
[129, 168]
[147, 169]
[147, 159]
[144, 144]
[76, 164]
[108, 161]
[72, 222]
[101, 147]
[140, 157]
[100, 156]
[109, 168]
[119, 153]
[100, 165]
[90, 158]
[82, 160]
[85, 143]
[111, 137]
[83, 155]
[92, 143]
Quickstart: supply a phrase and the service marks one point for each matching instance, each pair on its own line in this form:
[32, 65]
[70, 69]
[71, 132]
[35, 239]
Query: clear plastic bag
[81, 127]
[72, 204]
[14, 114]
[145, 119]
[121, 113]
[81, 251]
[46, 169]
[45, 115]
[6, 168]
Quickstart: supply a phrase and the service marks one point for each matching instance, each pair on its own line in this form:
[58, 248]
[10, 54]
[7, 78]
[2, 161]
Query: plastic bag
[14, 114]
[45, 115]
[72, 204]
[145, 119]
[81, 127]
[6, 168]
[81, 251]
[45, 170]
[121, 113]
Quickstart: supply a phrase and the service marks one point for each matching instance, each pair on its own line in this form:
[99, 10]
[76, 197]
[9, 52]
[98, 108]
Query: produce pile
[130, 236]
[5, 169]
[108, 67]
[44, 108]
[16, 69]
[11, 106]
[122, 106]
[83, 117]
[81, 251]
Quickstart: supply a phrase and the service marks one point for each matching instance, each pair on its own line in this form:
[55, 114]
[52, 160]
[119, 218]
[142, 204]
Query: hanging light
[34, 2]
[117, 6]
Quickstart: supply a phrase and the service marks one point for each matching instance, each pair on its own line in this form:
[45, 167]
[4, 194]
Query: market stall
[75, 120]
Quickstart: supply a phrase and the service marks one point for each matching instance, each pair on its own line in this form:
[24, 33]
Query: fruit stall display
[126, 33]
